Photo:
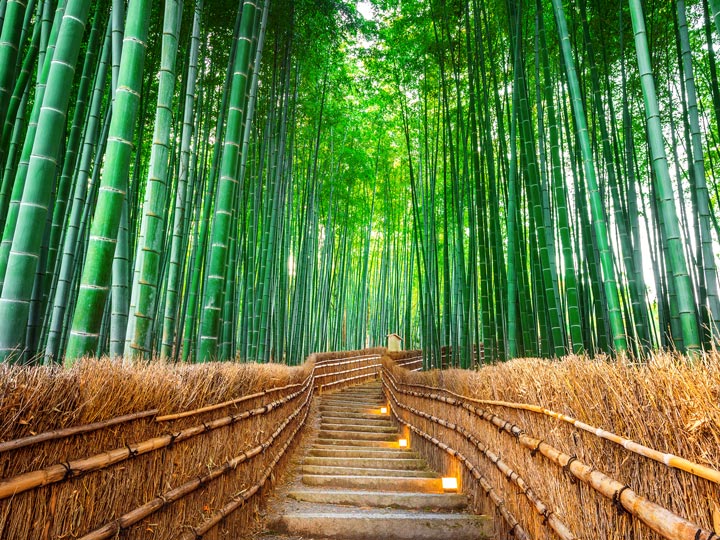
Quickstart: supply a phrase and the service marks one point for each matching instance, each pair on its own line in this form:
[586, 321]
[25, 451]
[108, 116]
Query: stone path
[356, 483]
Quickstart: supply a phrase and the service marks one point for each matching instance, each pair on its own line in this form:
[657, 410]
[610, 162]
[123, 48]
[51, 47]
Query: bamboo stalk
[141, 512]
[15, 444]
[659, 519]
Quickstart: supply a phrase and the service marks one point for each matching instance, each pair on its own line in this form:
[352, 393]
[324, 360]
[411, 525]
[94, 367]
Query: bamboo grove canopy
[265, 178]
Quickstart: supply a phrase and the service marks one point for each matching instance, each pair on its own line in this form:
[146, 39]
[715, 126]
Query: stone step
[351, 426]
[380, 499]
[350, 408]
[394, 463]
[345, 411]
[355, 395]
[361, 525]
[374, 395]
[375, 483]
[367, 419]
[366, 471]
[350, 399]
[356, 435]
[358, 396]
[364, 453]
[355, 443]
[373, 406]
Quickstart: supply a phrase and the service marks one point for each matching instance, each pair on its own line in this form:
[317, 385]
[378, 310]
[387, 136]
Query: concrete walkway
[356, 483]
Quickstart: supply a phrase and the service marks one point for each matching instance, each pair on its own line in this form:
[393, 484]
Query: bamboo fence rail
[134, 516]
[54, 435]
[209, 408]
[542, 508]
[63, 471]
[515, 529]
[667, 459]
[237, 502]
[661, 520]
[128, 491]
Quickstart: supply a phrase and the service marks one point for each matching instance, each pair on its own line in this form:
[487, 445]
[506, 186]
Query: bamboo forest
[259, 180]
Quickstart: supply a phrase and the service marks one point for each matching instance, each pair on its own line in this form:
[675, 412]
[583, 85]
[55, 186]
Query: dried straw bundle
[33, 400]
[667, 405]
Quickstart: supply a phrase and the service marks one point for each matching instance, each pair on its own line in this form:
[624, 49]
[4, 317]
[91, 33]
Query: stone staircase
[357, 483]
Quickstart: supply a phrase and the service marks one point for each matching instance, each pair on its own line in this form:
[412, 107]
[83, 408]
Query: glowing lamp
[449, 483]
[402, 443]
[383, 410]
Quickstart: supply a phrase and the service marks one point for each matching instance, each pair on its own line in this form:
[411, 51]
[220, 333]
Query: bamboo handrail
[348, 361]
[326, 361]
[369, 366]
[659, 519]
[241, 499]
[667, 459]
[348, 379]
[62, 471]
[542, 509]
[516, 529]
[53, 435]
[234, 401]
[141, 512]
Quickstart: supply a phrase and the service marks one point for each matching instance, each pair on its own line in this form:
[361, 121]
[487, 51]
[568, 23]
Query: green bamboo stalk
[212, 298]
[677, 262]
[597, 206]
[146, 281]
[95, 281]
[34, 206]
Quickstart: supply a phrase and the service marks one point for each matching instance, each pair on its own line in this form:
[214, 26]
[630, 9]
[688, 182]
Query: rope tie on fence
[132, 453]
[173, 437]
[535, 450]
[546, 515]
[68, 470]
[617, 502]
[569, 473]
[206, 426]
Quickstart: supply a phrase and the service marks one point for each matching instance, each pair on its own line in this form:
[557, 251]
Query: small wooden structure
[394, 343]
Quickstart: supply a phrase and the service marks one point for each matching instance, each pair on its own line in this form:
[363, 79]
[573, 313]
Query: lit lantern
[383, 410]
[449, 483]
[402, 443]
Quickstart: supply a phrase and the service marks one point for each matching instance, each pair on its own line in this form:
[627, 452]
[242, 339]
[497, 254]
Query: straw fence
[106, 450]
[573, 449]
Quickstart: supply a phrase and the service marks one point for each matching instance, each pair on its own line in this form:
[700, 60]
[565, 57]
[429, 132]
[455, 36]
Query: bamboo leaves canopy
[256, 181]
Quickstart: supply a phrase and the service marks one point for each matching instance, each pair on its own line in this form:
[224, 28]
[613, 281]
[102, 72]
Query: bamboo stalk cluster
[491, 179]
